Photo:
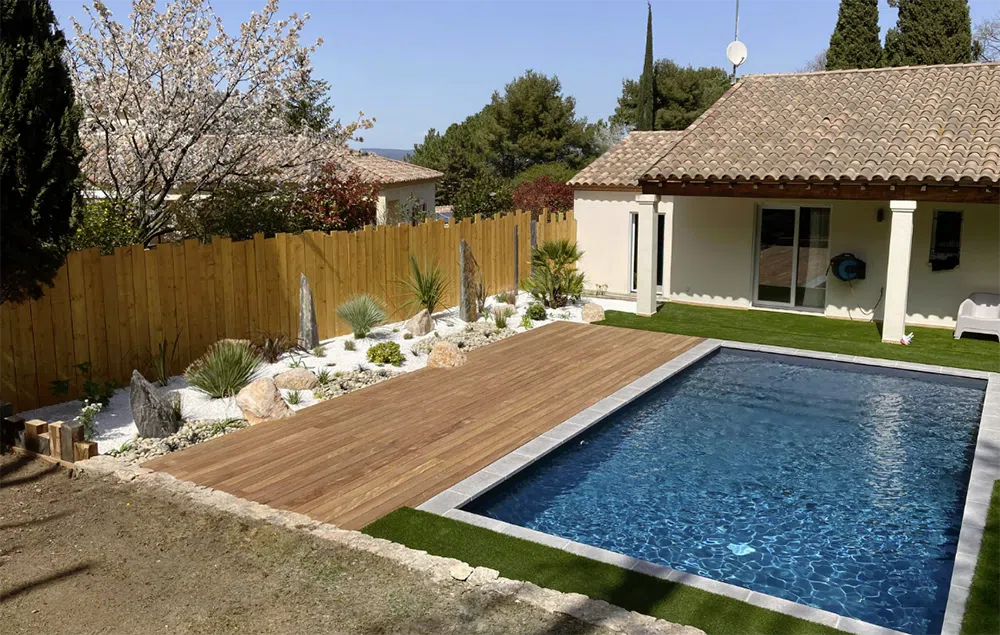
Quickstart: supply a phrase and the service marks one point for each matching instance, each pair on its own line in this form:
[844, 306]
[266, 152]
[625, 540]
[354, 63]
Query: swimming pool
[828, 484]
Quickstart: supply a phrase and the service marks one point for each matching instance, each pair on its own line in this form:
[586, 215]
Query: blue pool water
[820, 483]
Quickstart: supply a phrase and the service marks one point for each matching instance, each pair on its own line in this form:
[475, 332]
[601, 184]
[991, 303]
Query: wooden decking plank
[354, 458]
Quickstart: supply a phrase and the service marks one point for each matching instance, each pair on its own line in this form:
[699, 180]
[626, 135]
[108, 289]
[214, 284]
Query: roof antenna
[736, 51]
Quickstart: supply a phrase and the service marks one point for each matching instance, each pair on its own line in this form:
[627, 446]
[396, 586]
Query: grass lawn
[982, 611]
[930, 346]
[548, 567]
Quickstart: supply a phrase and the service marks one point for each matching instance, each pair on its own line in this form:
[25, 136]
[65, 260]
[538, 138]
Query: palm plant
[225, 368]
[554, 280]
[362, 313]
[426, 286]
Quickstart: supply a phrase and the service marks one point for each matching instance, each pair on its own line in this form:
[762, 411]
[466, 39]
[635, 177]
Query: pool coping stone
[985, 469]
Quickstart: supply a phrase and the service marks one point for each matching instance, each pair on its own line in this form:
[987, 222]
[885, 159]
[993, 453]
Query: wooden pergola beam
[829, 191]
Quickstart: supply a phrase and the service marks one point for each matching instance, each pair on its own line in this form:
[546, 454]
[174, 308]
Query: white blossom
[173, 104]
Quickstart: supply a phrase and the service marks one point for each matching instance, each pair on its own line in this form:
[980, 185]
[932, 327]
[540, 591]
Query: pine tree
[40, 150]
[647, 83]
[930, 32]
[855, 42]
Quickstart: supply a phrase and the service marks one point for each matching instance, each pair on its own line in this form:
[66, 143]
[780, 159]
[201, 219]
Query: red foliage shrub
[543, 193]
[337, 201]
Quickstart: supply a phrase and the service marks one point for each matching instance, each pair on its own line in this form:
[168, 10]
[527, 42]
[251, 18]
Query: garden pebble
[141, 449]
[296, 379]
[420, 324]
[446, 355]
[261, 401]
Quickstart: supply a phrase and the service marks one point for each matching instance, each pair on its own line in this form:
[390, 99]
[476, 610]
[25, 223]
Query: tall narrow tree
[39, 149]
[646, 119]
[855, 42]
[930, 32]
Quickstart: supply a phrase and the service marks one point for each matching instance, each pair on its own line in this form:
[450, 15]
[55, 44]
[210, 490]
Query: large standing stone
[445, 355]
[296, 379]
[592, 312]
[308, 331]
[420, 324]
[468, 310]
[154, 416]
[261, 400]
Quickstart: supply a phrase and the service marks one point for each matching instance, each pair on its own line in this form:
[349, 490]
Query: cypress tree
[646, 119]
[855, 42]
[930, 32]
[41, 150]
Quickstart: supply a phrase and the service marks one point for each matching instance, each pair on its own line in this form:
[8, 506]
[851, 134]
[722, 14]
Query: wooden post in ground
[517, 257]
[467, 309]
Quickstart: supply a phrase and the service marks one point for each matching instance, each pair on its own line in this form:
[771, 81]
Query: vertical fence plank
[93, 276]
[62, 328]
[154, 305]
[45, 359]
[170, 332]
[8, 376]
[78, 313]
[281, 299]
[330, 246]
[196, 298]
[219, 297]
[261, 275]
[241, 293]
[24, 357]
[181, 311]
[344, 280]
[109, 281]
[223, 250]
[139, 286]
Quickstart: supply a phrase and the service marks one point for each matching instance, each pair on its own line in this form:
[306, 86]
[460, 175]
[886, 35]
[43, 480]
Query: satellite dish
[736, 52]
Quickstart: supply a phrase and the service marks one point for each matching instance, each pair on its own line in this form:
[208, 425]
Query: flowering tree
[338, 200]
[543, 193]
[173, 105]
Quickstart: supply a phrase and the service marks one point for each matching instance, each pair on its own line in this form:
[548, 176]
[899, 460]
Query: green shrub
[407, 336]
[506, 298]
[225, 368]
[386, 353]
[426, 286]
[484, 194]
[501, 314]
[294, 398]
[323, 377]
[526, 322]
[105, 224]
[536, 312]
[554, 281]
[349, 345]
[319, 351]
[362, 313]
[240, 209]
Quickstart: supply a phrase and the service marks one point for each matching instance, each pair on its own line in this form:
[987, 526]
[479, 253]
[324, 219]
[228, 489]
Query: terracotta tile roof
[374, 167]
[919, 123]
[623, 164]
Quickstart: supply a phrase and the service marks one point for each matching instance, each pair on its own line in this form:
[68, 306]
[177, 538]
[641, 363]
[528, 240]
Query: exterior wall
[424, 192]
[712, 240]
[602, 232]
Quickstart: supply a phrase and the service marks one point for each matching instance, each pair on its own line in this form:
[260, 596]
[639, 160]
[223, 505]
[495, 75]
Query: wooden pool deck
[355, 458]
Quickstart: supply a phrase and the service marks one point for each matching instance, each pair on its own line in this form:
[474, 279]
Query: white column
[646, 256]
[666, 208]
[897, 277]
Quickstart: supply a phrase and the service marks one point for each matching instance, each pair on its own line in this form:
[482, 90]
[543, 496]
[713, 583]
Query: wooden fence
[112, 311]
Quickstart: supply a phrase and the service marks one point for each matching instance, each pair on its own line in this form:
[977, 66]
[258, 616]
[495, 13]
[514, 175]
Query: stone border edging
[440, 569]
[985, 469]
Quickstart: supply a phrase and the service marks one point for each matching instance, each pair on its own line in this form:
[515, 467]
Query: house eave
[829, 190]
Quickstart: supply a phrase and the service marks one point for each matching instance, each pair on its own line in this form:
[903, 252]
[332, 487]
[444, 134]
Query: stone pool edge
[985, 469]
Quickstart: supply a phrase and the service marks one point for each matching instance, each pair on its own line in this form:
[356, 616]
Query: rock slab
[445, 355]
[468, 310]
[420, 324]
[260, 401]
[296, 379]
[308, 331]
[154, 416]
[592, 312]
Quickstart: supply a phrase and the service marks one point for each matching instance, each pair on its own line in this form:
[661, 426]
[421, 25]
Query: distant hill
[390, 153]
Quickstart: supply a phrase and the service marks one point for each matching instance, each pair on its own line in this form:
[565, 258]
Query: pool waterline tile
[971, 530]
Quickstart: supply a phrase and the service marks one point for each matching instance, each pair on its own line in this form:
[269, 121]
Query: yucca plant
[426, 286]
[362, 313]
[554, 280]
[225, 368]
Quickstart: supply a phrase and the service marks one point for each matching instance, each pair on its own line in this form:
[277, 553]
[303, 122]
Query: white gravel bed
[114, 425]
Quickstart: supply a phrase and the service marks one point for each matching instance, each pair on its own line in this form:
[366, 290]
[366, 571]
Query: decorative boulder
[592, 312]
[297, 379]
[155, 417]
[261, 400]
[420, 324]
[445, 355]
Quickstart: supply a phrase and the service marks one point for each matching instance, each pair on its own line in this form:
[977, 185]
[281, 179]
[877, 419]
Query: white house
[746, 208]
[398, 182]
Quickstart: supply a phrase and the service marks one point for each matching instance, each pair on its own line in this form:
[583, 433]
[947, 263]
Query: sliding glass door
[792, 256]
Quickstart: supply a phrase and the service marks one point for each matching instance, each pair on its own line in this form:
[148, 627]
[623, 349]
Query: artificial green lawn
[930, 346]
[555, 569]
[982, 610]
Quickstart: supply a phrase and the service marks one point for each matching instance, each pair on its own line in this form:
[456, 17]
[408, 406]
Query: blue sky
[416, 65]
